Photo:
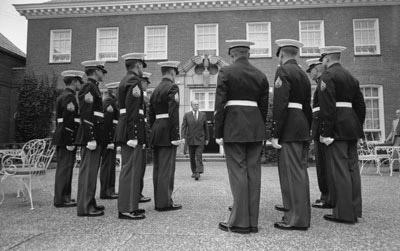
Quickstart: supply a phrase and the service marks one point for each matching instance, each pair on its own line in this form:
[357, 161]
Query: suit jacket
[291, 86]
[241, 81]
[195, 131]
[164, 100]
[67, 110]
[338, 85]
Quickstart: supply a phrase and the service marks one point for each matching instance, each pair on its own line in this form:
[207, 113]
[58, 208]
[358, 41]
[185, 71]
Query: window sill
[367, 55]
[66, 62]
[156, 59]
[310, 56]
[259, 56]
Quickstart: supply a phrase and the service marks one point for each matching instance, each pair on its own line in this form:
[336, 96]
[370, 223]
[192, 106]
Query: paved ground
[195, 227]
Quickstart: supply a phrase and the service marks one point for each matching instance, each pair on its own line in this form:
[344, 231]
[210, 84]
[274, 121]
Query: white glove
[132, 143]
[110, 146]
[175, 142]
[219, 141]
[91, 145]
[275, 144]
[326, 140]
[70, 148]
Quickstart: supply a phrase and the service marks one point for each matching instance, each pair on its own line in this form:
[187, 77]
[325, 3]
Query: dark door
[212, 146]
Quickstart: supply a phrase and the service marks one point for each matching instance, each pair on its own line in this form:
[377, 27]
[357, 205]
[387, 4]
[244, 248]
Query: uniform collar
[94, 81]
[167, 79]
[70, 90]
[334, 64]
[242, 59]
[134, 73]
[291, 61]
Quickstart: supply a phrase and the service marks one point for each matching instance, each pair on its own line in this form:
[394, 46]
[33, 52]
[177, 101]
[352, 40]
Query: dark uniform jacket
[136, 114]
[241, 81]
[66, 110]
[195, 131]
[340, 123]
[110, 110]
[91, 113]
[315, 122]
[130, 79]
[165, 99]
[291, 86]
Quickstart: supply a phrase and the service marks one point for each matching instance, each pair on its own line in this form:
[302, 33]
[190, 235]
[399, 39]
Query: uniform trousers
[163, 175]
[244, 169]
[129, 178]
[63, 178]
[294, 181]
[144, 162]
[196, 158]
[322, 176]
[343, 171]
[107, 172]
[87, 181]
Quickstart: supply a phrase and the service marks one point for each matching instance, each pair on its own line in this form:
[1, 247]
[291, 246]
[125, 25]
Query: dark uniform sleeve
[359, 106]
[152, 113]
[263, 101]
[220, 101]
[69, 112]
[184, 127]
[86, 111]
[132, 104]
[109, 111]
[307, 105]
[327, 103]
[281, 101]
[173, 112]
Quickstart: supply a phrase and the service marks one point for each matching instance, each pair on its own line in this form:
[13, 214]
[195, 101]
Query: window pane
[206, 39]
[107, 44]
[311, 35]
[366, 36]
[156, 42]
[60, 50]
[259, 34]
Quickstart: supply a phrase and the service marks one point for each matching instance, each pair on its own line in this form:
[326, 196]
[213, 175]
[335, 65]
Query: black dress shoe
[93, 213]
[99, 207]
[281, 208]
[230, 208]
[284, 226]
[170, 208]
[322, 205]
[193, 175]
[144, 199]
[109, 197]
[197, 176]
[253, 229]
[240, 230]
[140, 211]
[131, 216]
[330, 217]
[66, 204]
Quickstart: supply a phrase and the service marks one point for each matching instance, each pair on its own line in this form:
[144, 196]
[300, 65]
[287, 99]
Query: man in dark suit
[90, 137]
[196, 135]
[67, 119]
[108, 155]
[130, 135]
[164, 136]
[342, 115]
[241, 105]
[292, 117]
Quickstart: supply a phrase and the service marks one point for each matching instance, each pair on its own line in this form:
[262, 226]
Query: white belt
[344, 104]
[162, 116]
[115, 121]
[241, 103]
[76, 120]
[295, 105]
[99, 114]
[122, 111]
[315, 109]
[141, 111]
[60, 120]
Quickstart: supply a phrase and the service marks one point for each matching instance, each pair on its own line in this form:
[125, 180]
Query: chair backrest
[46, 156]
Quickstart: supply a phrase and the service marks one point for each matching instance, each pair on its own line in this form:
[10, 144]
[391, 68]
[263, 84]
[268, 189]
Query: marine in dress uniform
[130, 135]
[145, 83]
[342, 115]
[108, 155]
[241, 106]
[67, 120]
[292, 117]
[315, 69]
[91, 138]
[196, 135]
[164, 136]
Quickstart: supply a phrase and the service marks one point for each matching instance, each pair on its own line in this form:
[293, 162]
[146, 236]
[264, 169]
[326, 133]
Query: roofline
[83, 9]
[11, 53]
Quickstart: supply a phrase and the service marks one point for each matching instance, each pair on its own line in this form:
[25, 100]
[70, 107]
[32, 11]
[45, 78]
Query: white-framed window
[60, 46]
[366, 36]
[156, 42]
[374, 126]
[206, 98]
[206, 39]
[311, 33]
[107, 44]
[260, 34]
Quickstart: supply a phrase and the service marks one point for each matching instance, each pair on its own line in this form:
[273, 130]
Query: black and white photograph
[200, 125]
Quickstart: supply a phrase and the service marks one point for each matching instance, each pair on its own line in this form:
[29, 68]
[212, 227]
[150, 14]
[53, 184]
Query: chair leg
[362, 167]
[28, 186]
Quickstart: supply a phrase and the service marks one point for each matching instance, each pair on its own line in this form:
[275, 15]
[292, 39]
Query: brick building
[62, 33]
[12, 63]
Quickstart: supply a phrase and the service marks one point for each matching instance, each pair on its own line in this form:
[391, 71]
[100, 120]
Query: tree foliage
[36, 99]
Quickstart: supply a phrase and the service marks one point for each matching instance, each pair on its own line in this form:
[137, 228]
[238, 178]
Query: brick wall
[383, 69]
